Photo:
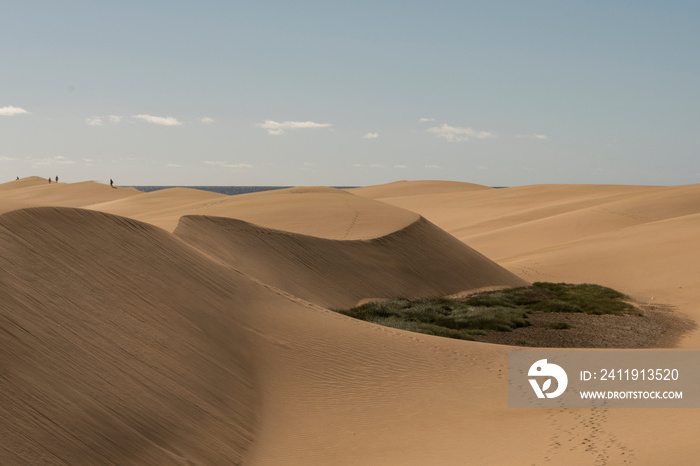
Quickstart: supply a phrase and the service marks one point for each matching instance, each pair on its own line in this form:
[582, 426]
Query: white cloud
[100, 120]
[88, 160]
[228, 165]
[276, 128]
[62, 160]
[6, 159]
[371, 165]
[309, 164]
[48, 161]
[400, 166]
[457, 134]
[10, 110]
[207, 120]
[173, 165]
[425, 120]
[433, 167]
[370, 136]
[165, 121]
[541, 137]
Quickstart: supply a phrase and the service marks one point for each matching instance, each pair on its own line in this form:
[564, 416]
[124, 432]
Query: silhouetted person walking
[49, 180]
[111, 183]
[56, 179]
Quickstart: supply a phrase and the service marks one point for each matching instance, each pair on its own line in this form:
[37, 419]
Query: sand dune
[163, 207]
[123, 343]
[316, 211]
[655, 262]
[38, 191]
[419, 260]
[466, 214]
[639, 239]
[23, 183]
[415, 188]
[103, 359]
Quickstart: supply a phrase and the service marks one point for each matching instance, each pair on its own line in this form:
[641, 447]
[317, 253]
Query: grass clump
[440, 316]
[559, 297]
[502, 310]
[590, 299]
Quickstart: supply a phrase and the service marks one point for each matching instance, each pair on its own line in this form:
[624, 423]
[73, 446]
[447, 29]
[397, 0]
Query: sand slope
[419, 260]
[121, 343]
[104, 360]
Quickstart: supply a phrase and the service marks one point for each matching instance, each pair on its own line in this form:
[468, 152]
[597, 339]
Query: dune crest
[418, 260]
[415, 188]
[317, 211]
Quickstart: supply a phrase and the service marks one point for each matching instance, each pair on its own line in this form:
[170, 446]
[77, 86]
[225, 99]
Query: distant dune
[39, 191]
[185, 327]
[415, 188]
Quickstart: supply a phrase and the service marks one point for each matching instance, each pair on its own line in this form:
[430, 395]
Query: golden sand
[186, 327]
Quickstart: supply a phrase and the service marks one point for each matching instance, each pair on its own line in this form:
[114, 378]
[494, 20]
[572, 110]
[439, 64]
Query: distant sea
[230, 190]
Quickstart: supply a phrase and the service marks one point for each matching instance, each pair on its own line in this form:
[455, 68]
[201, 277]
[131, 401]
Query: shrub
[502, 310]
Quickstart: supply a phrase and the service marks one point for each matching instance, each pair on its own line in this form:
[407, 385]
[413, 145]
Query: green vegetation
[559, 297]
[502, 310]
[440, 316]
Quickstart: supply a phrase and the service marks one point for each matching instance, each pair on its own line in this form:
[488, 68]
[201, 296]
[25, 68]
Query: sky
[352, 93]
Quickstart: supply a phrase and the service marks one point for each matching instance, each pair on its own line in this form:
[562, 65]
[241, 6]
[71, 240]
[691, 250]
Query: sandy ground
[184, 327]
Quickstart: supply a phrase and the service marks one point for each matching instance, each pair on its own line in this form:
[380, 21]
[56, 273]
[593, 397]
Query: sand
[185, 327]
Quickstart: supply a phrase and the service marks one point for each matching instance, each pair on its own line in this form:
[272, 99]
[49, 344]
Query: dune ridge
[38, 191]
[316, 211]
[419, 260]
[415, 188]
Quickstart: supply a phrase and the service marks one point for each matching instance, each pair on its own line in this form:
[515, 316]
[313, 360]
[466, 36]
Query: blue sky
[500, 93]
